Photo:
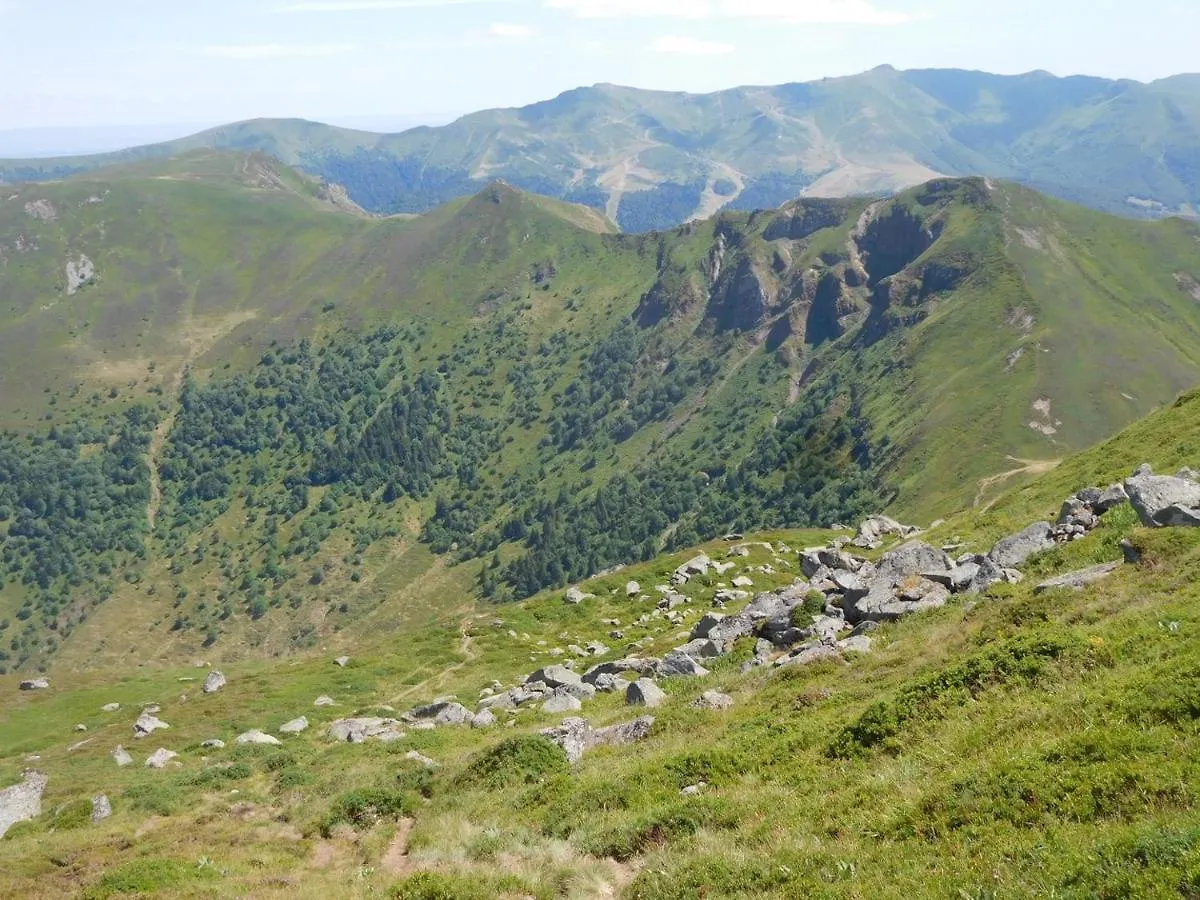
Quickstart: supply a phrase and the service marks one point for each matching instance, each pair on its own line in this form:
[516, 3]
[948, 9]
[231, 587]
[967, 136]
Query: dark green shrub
[442, 886]
[525, 759]
[364, 807]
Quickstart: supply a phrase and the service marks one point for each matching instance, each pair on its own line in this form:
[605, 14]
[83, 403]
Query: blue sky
[85, 63]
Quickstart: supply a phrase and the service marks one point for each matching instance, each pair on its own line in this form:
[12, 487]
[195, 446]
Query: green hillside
[1018, 743]
[653, 159]
[244, 420]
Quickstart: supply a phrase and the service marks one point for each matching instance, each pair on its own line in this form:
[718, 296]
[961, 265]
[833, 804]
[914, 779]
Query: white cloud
[271, 51]
[345, 6]
[506, 30]
[688, 46]
[622, 9]
[798, 12]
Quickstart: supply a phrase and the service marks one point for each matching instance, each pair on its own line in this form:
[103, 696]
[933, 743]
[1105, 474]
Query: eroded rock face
[23, 801]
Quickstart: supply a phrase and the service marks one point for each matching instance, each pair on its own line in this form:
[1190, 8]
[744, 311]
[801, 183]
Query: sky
[67, 66]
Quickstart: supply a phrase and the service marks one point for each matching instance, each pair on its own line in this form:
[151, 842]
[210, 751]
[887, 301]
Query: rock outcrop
[360, 730]
[23, 801]
[1164, 500]
[576, 736]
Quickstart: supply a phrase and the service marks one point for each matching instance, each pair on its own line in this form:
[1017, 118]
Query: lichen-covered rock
[357, 731]
[713, 700]
[214, 682]
[254, 736]
[122, 758]
[23, 801]
[576, 735]
[101, 808]
[146, 724]
[159, 758]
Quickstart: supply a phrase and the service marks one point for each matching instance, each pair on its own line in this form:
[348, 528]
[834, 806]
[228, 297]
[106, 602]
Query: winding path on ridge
[465, 648]
[1027, 467]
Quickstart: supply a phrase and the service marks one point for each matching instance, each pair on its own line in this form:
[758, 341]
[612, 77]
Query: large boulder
[554, 676]
[147, 723]
[359, 730]
[441, 712]
[23, 801]
[1015, 549]
[679, 665]
[706, 624]
[645, 692]
[871, 531]
[160, 757]
[561, 703]
[617, 666]
[214, 682]
[576, 735]
[1164, 500]
[713, 700]
[888, 602]
[913, 558]
[254, 736]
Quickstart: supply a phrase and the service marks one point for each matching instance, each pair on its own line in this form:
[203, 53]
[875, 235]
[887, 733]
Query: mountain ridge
[337, 421]
[654, 159]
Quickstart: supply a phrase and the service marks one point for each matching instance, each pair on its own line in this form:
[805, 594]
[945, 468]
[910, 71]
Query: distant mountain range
[653, 159]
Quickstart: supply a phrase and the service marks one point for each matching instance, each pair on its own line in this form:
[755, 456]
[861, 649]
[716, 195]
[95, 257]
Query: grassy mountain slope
[1039, 744]
[265, 423]
[654, 159]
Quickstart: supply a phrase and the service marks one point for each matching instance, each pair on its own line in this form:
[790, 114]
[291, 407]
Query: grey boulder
[1164, 500]
[1077, 581]
[360, 730]
[101, 808]
[23, 801]
[644, 692]
[214, 682]
[679, 665]
[713, 700]
[1017, 548]
[576, 736]
[295, 726]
